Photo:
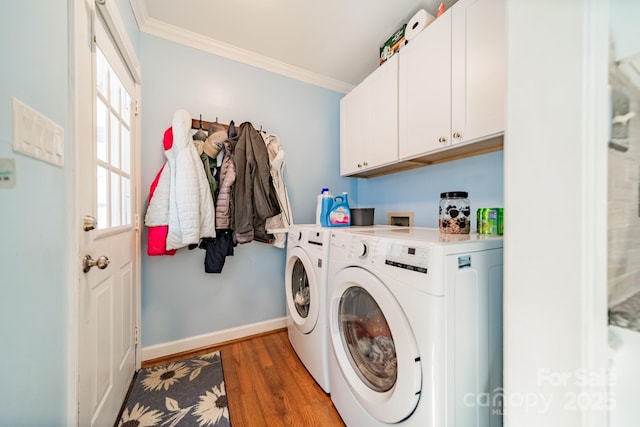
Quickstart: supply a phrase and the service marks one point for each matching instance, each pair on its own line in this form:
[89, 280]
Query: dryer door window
[373, 345]
[300, 289]
[366, 335]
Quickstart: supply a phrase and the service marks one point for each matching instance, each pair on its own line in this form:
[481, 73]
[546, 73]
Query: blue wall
[130, 24]
[34, 254]
[180, 300]
[418, 190]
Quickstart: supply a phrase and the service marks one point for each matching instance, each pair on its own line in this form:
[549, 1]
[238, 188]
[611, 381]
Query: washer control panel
[408, 257]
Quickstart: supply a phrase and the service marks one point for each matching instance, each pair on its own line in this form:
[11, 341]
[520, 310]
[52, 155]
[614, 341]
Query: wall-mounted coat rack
[206, 125]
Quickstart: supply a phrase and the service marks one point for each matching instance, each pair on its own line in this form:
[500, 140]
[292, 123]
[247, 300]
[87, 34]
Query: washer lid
[374, 345]
[301, 288]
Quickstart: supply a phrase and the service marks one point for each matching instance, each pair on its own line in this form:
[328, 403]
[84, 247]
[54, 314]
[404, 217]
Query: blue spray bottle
[327, 202]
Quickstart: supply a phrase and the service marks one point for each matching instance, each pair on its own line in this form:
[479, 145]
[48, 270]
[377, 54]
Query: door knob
[442, 139]
[87, 262]
[89, 223]
[456, 134]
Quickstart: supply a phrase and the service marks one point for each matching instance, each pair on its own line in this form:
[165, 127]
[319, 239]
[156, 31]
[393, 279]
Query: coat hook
[216, 119]
[200, 121]
[260, 128]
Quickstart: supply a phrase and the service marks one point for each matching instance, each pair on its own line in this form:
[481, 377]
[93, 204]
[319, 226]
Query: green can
[479, 220]
[489, 220]
[500, 221]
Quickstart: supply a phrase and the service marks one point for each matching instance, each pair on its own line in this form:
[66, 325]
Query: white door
[107, 191]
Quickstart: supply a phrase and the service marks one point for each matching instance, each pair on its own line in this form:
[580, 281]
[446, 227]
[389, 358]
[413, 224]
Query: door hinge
[136, 108]
[137, 335]
[137, 221]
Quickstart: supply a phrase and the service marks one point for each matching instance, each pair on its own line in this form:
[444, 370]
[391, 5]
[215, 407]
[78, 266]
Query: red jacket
[157, 237]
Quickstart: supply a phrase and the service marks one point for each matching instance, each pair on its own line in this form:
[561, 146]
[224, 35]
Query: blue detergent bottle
[340, 214]
[327, 203]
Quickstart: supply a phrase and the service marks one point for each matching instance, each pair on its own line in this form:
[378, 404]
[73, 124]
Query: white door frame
[81, 14]
[555, 160]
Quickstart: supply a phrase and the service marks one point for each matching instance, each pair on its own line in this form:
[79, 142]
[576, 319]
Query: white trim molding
[197, 41]
[211, 339]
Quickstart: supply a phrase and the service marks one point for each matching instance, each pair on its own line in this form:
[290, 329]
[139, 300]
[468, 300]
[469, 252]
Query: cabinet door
[424, 107]
[369, 121]
[353, 122]
[478, 85]
[381, 145]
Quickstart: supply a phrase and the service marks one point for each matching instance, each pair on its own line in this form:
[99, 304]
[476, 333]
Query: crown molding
[197, 41]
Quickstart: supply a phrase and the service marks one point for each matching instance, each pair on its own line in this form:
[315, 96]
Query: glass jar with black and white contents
[455, 212]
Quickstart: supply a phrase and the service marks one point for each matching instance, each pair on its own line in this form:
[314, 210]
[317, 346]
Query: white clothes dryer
[415, 328]
[306, 292]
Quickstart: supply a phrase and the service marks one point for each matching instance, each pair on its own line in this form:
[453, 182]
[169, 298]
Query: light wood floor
[267, 385]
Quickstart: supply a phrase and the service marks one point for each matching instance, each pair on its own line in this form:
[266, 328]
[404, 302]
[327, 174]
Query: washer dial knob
[361, 249]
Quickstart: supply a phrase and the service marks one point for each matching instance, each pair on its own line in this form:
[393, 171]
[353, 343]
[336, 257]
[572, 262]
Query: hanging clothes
[157, 216]
[254, 194]
[189, 213]
[227, 174]
[285, 218]
[217, 250]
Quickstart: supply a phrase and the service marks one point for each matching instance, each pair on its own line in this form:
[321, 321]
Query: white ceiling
[331, 43]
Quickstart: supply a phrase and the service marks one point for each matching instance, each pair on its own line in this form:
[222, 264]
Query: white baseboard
[213, 338]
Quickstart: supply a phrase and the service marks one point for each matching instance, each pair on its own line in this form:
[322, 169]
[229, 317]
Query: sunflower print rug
[185, 393]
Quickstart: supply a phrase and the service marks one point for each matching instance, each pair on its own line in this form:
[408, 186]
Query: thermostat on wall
[7, 173]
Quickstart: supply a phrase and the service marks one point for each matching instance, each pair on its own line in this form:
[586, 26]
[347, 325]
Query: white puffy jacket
[182, 199]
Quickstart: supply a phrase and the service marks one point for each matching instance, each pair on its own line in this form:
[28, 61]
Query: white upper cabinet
[478, 70]
[441, 97]
[452, 79]
[424, 106]
[369, 121]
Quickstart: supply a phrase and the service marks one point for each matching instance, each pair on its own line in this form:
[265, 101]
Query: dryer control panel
[408, 257]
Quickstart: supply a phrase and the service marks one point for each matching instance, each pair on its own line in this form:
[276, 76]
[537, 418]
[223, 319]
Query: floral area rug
[185, 393]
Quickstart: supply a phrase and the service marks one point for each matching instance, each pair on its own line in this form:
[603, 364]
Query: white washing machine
[415, 328]
[306, 292]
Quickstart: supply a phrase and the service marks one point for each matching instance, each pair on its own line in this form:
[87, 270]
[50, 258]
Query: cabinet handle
[442, 139]
[456, 134]
[365, 164]
[359, 165]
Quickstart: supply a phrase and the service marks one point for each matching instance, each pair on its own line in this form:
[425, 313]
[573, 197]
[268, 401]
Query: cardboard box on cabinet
[392, 45]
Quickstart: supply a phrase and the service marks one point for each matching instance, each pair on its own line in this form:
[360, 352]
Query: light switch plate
[7, 173]
[36, 135]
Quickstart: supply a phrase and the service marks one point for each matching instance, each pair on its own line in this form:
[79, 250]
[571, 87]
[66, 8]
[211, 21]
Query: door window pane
[125, 141]
[101, 131]
[102, 201]
[113, 147]
[115, 140]
[102, 73]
